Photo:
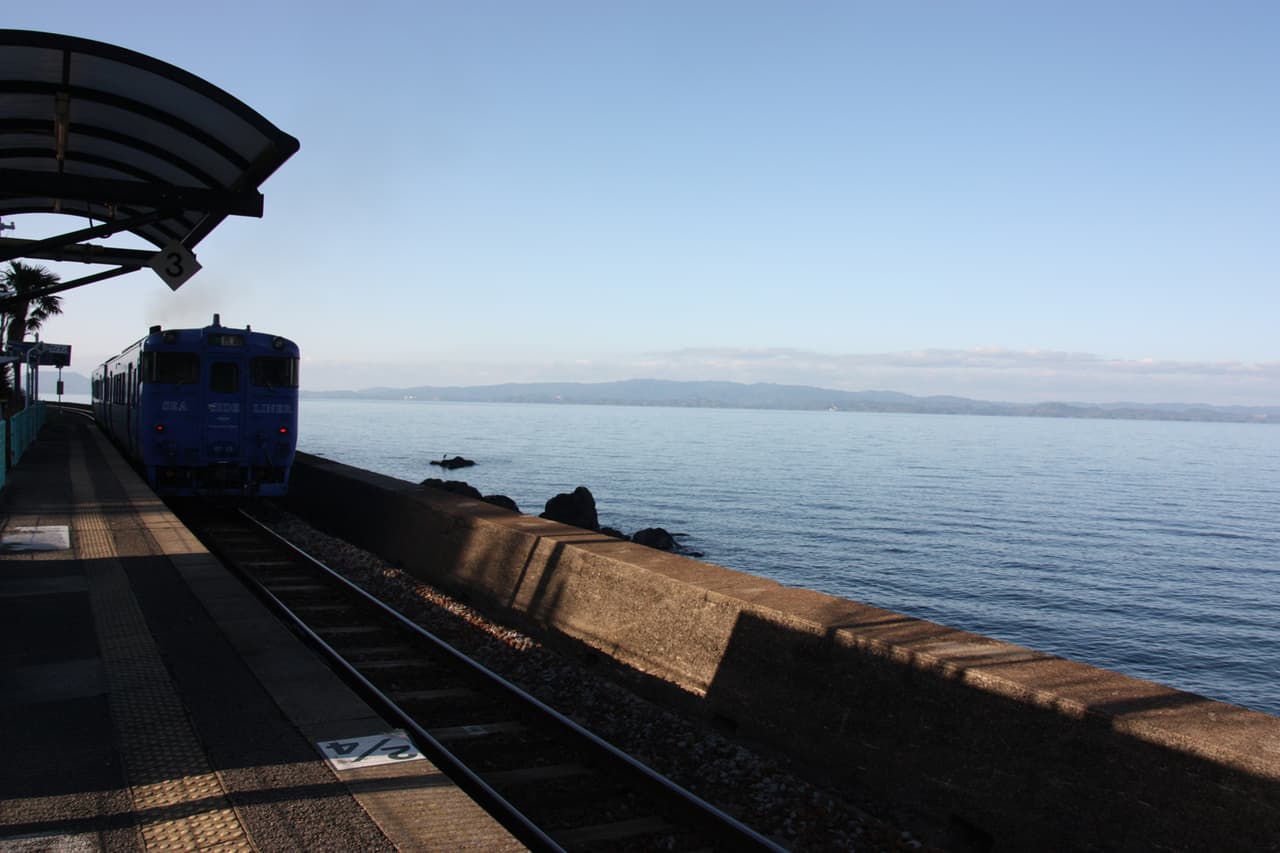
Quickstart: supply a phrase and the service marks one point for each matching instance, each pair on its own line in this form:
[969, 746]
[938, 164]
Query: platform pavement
[149, 702]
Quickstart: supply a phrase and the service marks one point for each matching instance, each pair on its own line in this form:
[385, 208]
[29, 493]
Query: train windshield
[176, 367]
[275, 372]
[224, 377]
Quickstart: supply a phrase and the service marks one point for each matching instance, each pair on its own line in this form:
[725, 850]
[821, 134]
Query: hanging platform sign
[175, 264]
[39, 352]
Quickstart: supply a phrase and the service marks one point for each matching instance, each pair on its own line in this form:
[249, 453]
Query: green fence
[18, 432]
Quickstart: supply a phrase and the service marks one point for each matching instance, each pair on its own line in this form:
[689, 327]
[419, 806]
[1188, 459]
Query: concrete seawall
[993, 746]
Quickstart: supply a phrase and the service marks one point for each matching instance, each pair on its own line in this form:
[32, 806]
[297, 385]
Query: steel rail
[492, 801]
[716, 821]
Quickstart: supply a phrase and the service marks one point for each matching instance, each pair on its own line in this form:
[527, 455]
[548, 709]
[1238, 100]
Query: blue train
[210, 411]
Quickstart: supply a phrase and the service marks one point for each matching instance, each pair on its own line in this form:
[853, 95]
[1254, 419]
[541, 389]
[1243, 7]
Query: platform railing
[19, 431]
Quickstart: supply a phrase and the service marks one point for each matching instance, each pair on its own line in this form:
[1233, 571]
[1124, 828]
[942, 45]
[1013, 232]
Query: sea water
[1150, 548]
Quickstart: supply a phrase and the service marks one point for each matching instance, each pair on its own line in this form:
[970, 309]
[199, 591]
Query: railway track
[553, 784]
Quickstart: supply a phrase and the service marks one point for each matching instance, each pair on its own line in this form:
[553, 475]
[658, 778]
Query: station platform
[149, 702]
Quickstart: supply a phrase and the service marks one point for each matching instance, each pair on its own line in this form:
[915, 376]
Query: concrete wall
[993, 745]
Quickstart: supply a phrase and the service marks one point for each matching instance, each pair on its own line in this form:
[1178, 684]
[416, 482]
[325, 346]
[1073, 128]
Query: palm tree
[21, 316]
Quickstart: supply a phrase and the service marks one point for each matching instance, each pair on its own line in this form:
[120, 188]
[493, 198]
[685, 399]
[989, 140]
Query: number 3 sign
[175, 264]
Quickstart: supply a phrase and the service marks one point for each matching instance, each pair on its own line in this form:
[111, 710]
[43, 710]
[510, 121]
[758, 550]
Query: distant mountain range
[760, 395]
[73, 383]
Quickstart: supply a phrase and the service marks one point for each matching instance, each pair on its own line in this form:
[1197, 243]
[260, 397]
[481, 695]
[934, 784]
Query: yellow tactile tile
[179, 803]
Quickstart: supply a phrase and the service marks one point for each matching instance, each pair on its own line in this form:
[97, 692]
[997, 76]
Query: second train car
[211, 411]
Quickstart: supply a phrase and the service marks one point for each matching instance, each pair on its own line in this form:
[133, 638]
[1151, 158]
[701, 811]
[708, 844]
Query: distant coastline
[737, 395]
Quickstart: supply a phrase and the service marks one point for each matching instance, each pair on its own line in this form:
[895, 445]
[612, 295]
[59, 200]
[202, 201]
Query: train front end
[217, 411]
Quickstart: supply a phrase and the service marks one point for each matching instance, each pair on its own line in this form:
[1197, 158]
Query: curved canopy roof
[126, 141]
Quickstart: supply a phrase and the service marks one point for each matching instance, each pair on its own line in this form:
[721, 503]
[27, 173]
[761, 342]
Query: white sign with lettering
[345, 753]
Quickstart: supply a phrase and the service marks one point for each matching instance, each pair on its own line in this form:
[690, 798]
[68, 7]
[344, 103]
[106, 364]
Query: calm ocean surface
[1145, 547]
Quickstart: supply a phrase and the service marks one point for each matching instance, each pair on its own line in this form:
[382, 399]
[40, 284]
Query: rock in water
[456, 486]
[655, 537]
[502, 501]
[455, 462]
[577, 508]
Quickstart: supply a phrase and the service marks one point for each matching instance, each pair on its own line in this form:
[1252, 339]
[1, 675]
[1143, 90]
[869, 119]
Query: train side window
[182, 368]
[224, 377]
[274, 372]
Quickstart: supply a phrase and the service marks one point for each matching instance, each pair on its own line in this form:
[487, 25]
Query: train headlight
[277, 342]
[170, 337]
[283, 430]
[159, 428]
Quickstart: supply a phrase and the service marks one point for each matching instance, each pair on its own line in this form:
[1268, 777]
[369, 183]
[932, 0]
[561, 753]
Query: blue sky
[1015, 201]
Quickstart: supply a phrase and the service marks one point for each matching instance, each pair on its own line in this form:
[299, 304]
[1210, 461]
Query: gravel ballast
[758, 789]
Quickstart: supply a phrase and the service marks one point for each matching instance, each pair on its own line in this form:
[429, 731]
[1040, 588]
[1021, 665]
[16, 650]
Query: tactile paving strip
[179, 803]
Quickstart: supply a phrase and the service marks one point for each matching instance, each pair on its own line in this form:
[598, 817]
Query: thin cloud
[987, 372]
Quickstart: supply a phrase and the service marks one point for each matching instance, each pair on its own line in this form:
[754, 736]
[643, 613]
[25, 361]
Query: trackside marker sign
[367, 751]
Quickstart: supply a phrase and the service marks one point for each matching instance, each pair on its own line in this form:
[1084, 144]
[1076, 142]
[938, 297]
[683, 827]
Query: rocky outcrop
[467, 490]
[660, 538]
[502, 501]
[577, 508]
[455, 462]
[655, 537]
[457, 487]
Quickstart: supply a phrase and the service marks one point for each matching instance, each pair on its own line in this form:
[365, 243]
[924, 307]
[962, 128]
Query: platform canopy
[129, 144]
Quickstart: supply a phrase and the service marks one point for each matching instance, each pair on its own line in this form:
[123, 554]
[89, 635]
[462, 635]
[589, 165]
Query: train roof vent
[154, 330]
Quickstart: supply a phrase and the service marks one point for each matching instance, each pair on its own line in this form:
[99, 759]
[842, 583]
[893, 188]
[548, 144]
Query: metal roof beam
[18, 249]
[16, 182]
[85, 253]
